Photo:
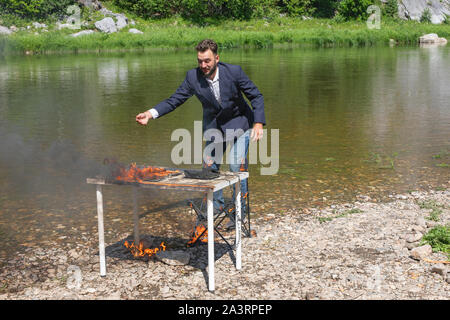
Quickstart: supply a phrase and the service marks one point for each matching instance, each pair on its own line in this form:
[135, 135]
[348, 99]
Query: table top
[180, 182]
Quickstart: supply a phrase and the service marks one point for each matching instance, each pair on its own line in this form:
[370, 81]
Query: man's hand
[257, 132]
[142, 118]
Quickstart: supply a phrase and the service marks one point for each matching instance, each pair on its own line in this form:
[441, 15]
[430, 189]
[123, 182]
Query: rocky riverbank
[360, 250]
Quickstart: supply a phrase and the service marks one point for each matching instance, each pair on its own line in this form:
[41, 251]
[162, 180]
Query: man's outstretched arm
[183, 93]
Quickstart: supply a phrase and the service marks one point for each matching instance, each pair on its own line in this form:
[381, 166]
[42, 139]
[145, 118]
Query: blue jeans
[238, 161]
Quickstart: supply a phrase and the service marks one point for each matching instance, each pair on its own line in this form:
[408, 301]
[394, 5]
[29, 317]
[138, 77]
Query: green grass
[439, 239]
[179, 33]
[436, 209]
[343, 214]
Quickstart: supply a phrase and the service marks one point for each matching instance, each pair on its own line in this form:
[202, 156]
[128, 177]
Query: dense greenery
[439, 239]
[247, 9]
[354, 9]
[38, 9]
[202, 11]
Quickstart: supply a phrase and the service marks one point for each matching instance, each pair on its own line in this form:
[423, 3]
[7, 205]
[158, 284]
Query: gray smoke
[27, 165]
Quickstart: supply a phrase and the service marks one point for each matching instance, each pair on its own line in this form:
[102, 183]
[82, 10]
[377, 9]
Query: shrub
[149, 8]
[35, 8]
[325, 8]
[390, 8]
[426, 16]
[354, 9]
[446, 19]
[297, 8]
[197, 10]
[200, 10]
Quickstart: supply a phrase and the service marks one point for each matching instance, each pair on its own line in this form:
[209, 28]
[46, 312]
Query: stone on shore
[422, 252]
[432, 38]
[174, 258]
[5, 30]
[106, 25]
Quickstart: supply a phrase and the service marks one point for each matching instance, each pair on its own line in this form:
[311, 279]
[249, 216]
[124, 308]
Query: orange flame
[242, 168]
[135, 174]
[200, 233]
[139, 251]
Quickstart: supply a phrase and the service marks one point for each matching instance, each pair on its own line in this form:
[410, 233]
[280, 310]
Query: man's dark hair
[207, 44]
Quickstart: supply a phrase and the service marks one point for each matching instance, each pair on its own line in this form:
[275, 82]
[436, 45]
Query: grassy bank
[179, 33]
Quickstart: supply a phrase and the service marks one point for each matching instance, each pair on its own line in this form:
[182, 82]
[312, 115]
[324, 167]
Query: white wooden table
[181, 183]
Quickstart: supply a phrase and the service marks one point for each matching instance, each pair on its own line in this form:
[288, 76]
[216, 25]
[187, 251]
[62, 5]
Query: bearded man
[219, 87]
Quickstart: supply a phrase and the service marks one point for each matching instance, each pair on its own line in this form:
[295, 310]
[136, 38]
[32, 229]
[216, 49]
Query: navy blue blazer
[234, 112]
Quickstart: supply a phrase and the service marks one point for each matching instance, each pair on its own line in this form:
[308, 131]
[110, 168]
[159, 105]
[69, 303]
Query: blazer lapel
[222, 79]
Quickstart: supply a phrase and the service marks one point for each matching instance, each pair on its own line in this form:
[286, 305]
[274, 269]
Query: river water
[351, 121]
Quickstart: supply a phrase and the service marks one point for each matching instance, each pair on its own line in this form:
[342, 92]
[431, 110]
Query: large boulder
[413, 9]
[106, 25]
[432, 38]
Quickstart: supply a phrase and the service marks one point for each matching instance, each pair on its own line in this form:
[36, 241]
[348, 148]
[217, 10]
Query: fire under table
[181, 183]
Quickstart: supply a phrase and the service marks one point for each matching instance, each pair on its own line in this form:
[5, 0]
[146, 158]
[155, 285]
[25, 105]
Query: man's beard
[213, 69]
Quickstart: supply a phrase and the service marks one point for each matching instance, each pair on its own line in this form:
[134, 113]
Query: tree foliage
[228, 9]
[354, 9]
[199, 10]
[35, 8]
[390, 8]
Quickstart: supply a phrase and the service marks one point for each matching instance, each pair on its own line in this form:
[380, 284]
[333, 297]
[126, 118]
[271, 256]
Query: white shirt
[213, 85]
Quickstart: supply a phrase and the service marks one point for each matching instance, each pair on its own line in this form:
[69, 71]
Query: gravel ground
[360, 250]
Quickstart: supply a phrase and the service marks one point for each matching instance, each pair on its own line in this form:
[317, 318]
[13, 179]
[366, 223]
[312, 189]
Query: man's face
[207, 62]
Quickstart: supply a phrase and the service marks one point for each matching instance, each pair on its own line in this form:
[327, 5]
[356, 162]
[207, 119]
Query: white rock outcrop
[413, 9]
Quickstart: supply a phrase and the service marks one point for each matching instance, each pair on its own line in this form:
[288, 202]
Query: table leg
[238, 222]
[210, 240]
[101, 231]
[136, 217]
